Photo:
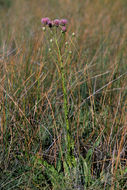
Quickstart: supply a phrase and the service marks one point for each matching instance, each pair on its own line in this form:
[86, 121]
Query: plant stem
[62, 72]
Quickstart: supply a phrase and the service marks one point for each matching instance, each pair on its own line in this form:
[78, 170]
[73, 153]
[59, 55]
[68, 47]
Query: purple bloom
[63, 22]
[56, 22]
[64, 29]
[50, 23]
[45, 20]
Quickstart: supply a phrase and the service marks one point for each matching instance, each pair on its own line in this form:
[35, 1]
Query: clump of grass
[34, 116]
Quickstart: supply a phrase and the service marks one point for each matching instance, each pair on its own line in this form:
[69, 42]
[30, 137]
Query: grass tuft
[63, 100]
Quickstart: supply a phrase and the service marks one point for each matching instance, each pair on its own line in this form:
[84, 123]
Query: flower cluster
[58, 23]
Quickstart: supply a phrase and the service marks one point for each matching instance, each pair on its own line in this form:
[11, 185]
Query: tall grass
[35, 110]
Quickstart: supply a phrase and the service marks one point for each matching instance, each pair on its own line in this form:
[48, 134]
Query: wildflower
[56, 22]
[45, 20]
[64, 29]
[70, 52]
[63, 22]
[50, 23]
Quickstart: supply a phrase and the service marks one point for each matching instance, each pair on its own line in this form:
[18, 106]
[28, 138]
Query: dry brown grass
[30, 91]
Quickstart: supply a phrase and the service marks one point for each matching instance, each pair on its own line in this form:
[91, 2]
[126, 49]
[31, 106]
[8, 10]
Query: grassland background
[31, 98]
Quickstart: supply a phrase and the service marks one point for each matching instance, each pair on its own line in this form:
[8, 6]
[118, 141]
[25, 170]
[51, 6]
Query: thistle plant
[57, 29]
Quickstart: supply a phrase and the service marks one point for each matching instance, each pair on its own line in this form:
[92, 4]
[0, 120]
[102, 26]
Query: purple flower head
[50, 23]
[63, 22]
[45, 20]
[56, 22]
[64, 29]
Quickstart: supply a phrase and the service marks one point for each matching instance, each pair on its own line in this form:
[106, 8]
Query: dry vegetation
[31, 99]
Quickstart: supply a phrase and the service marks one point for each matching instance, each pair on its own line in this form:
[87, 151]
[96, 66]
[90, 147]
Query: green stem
[68, 136]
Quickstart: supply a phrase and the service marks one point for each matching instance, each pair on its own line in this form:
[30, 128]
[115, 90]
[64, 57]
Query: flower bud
[51, 40]
[73, 34]
[66, 43]
[43, 28]
[49, 49]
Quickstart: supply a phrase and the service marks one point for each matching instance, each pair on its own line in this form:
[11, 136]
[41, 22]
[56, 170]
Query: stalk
[68, 139]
